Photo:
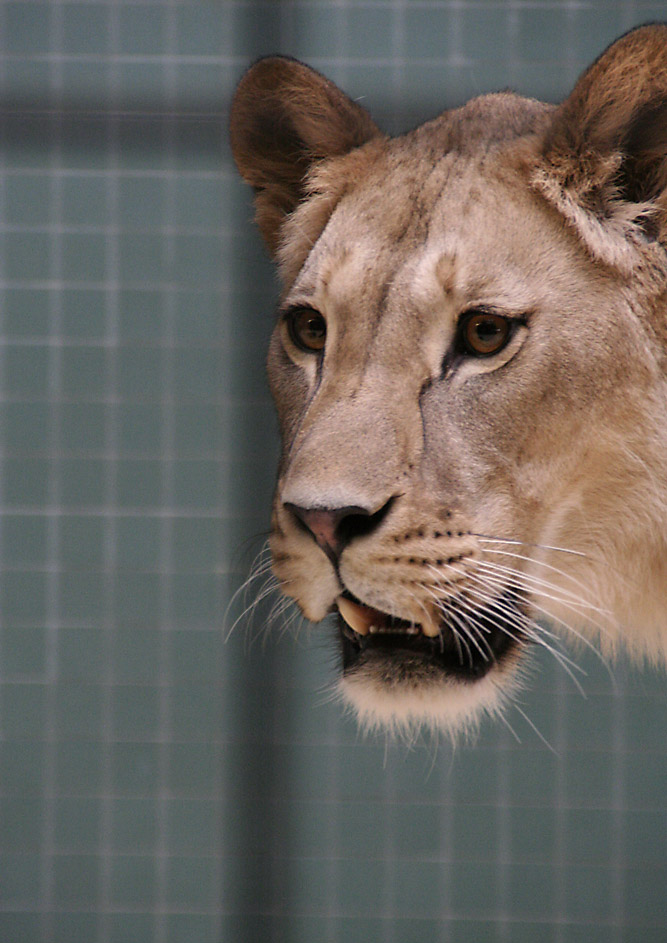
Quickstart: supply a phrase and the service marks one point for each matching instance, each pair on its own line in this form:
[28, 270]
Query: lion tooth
[359, 618]
[430, 628]
[366, 621]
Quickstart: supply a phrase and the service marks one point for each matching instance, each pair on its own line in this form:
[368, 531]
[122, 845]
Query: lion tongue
[362, 618]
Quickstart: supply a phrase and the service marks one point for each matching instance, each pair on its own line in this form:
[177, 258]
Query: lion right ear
[285, 116]
[604, 156]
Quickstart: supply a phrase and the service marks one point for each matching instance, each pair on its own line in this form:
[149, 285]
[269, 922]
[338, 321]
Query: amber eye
[307, 329]
[483, 333]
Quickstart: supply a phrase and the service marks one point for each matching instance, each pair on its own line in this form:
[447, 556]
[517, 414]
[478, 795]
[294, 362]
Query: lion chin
[469, 365]
[406, 709]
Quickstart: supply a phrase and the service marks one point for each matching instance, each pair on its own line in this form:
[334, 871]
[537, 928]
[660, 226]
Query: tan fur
[476, 468]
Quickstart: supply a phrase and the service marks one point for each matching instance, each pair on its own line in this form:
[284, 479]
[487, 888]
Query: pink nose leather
[324, 525]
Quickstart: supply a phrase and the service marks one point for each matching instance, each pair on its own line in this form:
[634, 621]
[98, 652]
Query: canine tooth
[430, 628]
[357, 617]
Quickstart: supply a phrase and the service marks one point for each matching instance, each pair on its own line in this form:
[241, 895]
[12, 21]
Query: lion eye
[482, 333]
[307, 329]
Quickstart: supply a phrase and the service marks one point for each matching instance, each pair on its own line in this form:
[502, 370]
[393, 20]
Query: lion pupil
[315, 329]
[488, 331]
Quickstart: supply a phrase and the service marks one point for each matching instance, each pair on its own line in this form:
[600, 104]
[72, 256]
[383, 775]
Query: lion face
[470, 389]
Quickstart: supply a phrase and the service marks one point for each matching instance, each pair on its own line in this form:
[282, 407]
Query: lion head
[468, 365]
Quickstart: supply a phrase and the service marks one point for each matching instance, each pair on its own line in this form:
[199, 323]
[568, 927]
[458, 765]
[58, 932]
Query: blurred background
[157, 783]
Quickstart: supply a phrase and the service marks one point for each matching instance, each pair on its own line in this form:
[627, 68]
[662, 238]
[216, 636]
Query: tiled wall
[157, 784]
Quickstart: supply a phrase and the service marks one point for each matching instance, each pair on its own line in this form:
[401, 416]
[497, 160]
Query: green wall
[157, 784]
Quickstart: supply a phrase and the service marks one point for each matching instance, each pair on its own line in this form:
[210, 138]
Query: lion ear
[284, 117]
[604, 155]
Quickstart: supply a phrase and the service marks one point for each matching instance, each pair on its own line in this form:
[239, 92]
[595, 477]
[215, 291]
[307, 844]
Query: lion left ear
[285, 117]
[604, 156]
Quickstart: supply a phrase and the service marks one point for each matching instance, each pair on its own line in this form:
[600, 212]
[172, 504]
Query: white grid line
[167, 497]
[53, 531]
[111, 324]
[619, 802]
[3, 381]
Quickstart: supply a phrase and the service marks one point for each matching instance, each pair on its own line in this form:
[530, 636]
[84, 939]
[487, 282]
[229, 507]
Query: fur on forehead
[487, 123]
[483, 124]
[327, 183]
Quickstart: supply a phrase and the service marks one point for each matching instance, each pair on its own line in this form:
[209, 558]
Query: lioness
[469, 365]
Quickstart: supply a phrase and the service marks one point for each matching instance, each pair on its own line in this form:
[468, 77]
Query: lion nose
[334, 528]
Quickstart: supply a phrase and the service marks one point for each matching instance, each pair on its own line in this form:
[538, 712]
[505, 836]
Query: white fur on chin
[453, 708]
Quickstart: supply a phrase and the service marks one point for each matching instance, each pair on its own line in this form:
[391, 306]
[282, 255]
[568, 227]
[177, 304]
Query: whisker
[258, 568]
[514, 618]
[278, 609]
[476, 625]
[480, 631]
[265, 584]
[458, 639]
[248, 608]
[548, 566]
[540, 582]
[512, 613]
[518, 579]
[457, 636]
[534, 727]
[568, 628]
[296, 620]
[529, 629]
[468, 629]
[525, 543]
[505, 721]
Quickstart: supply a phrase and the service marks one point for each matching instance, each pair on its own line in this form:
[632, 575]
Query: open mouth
[460, 645]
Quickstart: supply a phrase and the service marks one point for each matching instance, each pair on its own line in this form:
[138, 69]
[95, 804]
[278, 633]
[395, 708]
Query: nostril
[323, 524]
[334, 528]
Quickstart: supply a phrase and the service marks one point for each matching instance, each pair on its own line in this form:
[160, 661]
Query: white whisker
[466, 629]
[528, 628]
[522, 621]
[568, 628]
[524, 543]
[534, 727]
[455, 631]
[265, 584]
[540, 583]
[521, 582]
[505, 721]
[541, 563]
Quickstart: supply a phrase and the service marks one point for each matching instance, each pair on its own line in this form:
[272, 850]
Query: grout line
[619, 804]
[109, 514]
[559, 906]
[111, 262]
[503, 850]
[54, 383]
[3, 377]
[167, 434]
